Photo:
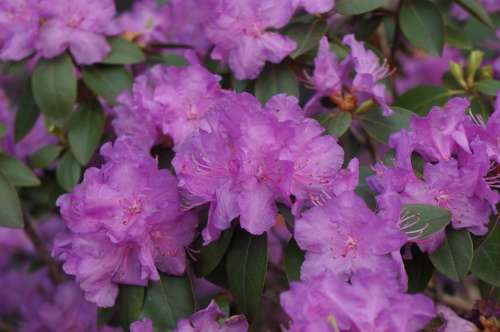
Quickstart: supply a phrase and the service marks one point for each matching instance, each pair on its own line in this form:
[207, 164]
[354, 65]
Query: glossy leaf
[457, 38]
[246, 266]
[419, 270]
[454, 257]
[45, 156]
[107, 81]
[3, 130]
[380, 127]
[355, 7]
[16, 172]
[419, 221]
[68, 171]
[422, 24]
[54, 87]
[488, 87]
[129, 305]
[486, 262]
[422, 98]
[123, 52]
[294, 257]
[26, 116]
[169, 300]
[10, 207]
[211, 255]
[85, 131]
[307, 36]
[475, 8]
[169, 59]
[335, 123]
[276, 79]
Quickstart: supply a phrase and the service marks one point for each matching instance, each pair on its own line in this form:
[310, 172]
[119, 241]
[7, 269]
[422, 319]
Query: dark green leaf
[475, 8]
[355, 7]
[246, 266]
[85, 131]
[54, 87]
[454, 257]
[488, 87]
[457, 38]
[419, 270]
[294, 257]
[129, 304]
[3, 130]
[168, 301]
[211, 255]
[419, 221]
[422, 24]
[10, 207]
[288, 216]
[26, 116]
[68, 171]
[421, 99]
[169, 59]
[381, 127]
[363, 189]
[486, 262]
[335, 123]
[17, 173]
[276, 79]
[107, 81]
[307, 36]
[45, 156]
[123, 52]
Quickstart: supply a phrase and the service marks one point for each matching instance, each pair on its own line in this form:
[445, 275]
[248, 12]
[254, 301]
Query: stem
[41, 250]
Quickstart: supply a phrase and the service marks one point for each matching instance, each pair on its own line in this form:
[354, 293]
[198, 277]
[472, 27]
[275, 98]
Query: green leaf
[3, 130]
[10, 207]
[420, 221]
[123, 52]
[211, 255]
[85, 131]
[17, 173]
[486, 262]
[381, 127]
[294, 257]
[488, 87]
[422, 24]
[422, 98]
[128, 306]
[457, 38]
[169, 300]
[54, 87]
[475, 8]
[355, 7]
[45, 156]
[307, 36]
[26, 116]
[107, 81]
[335, 123]
[246, 266]
[454, 257]
[276, 79]
[419, 270]
[68, 171]
[169, 59]
[363, 190]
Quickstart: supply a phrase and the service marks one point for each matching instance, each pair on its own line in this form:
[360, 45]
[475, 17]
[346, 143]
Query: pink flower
[208, 320]
[314, 6]
[143, 325]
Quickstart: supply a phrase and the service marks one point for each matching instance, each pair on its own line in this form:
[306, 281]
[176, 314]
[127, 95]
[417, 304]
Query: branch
[55, 272]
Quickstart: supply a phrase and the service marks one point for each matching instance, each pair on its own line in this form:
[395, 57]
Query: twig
[41, 250]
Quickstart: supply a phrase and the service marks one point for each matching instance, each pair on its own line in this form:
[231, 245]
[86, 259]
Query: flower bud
[458, 73]
[475, 60]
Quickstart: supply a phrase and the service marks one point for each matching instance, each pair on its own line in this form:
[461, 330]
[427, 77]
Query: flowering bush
[250, 165]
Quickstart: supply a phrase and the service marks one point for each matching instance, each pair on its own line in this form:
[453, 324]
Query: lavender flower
[143, 325]
[125, 224]
[240, 33]
[314, 6]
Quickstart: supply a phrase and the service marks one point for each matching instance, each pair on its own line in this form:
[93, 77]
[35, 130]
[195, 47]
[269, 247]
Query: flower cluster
[124, 223]
[49, 27]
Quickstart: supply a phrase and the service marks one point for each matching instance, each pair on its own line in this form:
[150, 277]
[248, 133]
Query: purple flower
[333, 79]
[369, 303]
[453, 322]
[239, 32]
[19, 26]
[314, 6]
[344, 235]
[146, 23]
[125, 224]
[460, 14]
[246, 159]
[167, 101]
[209, 320]
[143, 325]
[37, 138]
[80, 25]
